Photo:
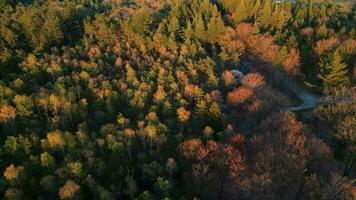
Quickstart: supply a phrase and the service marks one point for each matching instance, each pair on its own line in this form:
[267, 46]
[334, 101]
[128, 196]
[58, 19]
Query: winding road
[308, 99]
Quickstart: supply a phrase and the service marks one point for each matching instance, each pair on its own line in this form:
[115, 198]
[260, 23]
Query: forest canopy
[177, 99]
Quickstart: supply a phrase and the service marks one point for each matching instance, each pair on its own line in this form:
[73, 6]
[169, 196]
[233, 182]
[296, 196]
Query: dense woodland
[136, 99]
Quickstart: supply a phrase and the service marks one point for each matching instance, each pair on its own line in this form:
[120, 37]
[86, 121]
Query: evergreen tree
[199, 27]
[216, 28]
[240, 14]
[51, 33]
[265, 14]
[333, 72]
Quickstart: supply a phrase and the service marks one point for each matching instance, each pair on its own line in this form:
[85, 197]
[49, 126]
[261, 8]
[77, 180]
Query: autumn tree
[12, 172]
[292, 63]
[183, 115]
[239, 96]
[8, 115]
[56, 140]
[68, 190]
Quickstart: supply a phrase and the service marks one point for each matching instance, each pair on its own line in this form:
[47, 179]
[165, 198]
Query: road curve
[308, 99]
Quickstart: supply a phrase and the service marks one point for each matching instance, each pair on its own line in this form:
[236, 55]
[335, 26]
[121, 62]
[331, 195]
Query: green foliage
[11, 145]
[333, 72]
[47, 160]
[51, 32]
[140, 22]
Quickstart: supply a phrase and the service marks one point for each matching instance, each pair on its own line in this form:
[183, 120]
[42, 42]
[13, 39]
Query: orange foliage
[183, 114]
[243, 31]
[255, 105]
[119, 62]
[264, 47]
[307, 31]
[235, 161]
[253, 80]
[237, 140]
[228, 78]
[129, 132]
[182, 76]
[189, 90]
[190, 148]
[239, 96]
[69, 189]
[323, 47]
[7, 113]
[349, 47]
[12, 172]
[291, 64]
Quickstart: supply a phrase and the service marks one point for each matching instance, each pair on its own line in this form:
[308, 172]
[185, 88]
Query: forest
[178, 99]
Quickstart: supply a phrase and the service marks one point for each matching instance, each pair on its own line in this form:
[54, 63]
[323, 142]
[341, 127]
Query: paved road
[308, 99]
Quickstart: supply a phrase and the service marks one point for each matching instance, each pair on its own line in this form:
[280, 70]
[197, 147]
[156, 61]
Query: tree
[140, 22]
[228, 78]
[51, 33]
[240, 13]
[333, 72]
[11, 145]
[12, 172]
[291, 64]
[183, 115]
[253, 81]
[7, 115]
[215, 28]
[56, 140]
[24, 105]
[215, 116]
[346, 133]
[160, 95]
[265, 13]
[47, 160]
[75, 168]
[199, 28]
[239, 96]
[68, 190]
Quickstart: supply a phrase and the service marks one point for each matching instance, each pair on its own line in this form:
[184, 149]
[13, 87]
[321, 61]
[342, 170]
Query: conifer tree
[199, 27]
[216, 27]
[333, 72]
[240, 13]
[51, 33]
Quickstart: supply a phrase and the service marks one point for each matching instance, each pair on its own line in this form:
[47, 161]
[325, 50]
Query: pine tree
[199, 27]
[173, 25]
[188, 32]
[266, 11]
[51, 33]
[333, 72]
[240, 12]
[216, 27]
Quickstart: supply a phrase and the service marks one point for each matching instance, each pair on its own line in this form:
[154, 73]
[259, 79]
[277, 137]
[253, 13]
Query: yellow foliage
[55, 139]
